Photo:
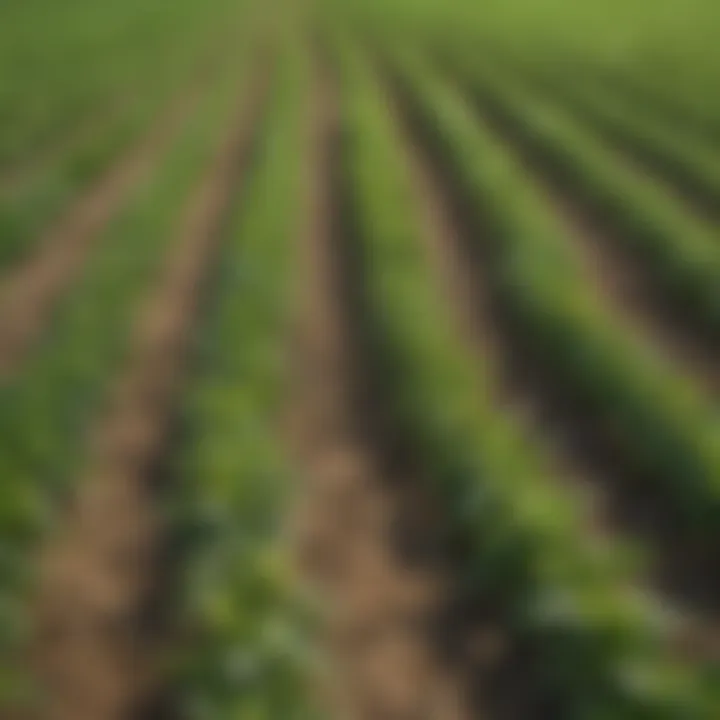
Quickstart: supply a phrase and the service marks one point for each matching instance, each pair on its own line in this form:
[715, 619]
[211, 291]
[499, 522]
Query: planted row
[563, 593]
[59, 64]
[47, 410]
[32, 198]
[678, 250]
[248, 656]
[661, 423]
[682, 157]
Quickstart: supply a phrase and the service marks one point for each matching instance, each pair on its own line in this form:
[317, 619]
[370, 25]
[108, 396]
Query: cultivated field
[359, 360]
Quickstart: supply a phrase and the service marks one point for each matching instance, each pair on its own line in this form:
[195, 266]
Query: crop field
[359, 360]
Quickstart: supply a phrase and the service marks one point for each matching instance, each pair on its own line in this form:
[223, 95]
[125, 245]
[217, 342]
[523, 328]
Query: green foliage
[250, 655]
[677, 248]
[47, 411]
[50, 153]
[656, 416]
[602, 644]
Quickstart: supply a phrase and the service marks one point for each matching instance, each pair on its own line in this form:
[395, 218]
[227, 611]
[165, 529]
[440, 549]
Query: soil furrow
[29, 292]
[619, 274]
[625, 286]
[685, 564]
[615, 500]
[98, 613]
[645, 156]
[366, 533]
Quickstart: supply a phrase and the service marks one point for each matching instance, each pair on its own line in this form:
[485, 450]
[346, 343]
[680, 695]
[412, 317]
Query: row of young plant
[678, 249]
[681, 157]
[658, 419]
[566, 595]
[665, 58]
[60, 63]
[47, 410]
[687, 106]
[249, 656]
[31, 200]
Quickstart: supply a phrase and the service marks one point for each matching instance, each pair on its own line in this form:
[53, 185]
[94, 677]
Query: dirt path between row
[462, 254]
[95, 123]
[28, 292]
[685, 566]
[625, 286]
[98, 612]
[642, 155]
[619, 274]
[366, 532]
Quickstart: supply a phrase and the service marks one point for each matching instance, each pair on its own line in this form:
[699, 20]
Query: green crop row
[687, 103]
[248, 657]
[61, 62]
[47, 410]
[28, 204]
[664, 53]
[682, 157]
[600, 642]
[679, 251]
[660, 421]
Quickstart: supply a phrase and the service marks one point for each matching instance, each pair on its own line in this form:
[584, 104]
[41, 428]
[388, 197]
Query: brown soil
[686, 566]
[28, 293]
[98, 612]
[367, 533]
[686, 572]
[614, 269]
[613, 499]
[625, 287]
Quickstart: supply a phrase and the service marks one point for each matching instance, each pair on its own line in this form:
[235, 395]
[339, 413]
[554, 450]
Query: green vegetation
[611, 106]
[561, 590]
[251, 655]
[659, 419]
[678, 249]
[46, 412]
[685, 160]
[60, 130]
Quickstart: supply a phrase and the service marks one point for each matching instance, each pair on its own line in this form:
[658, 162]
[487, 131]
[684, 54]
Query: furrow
[461, 251]
[97, 641]
[620, 276]
[28, 293]
[366, 532]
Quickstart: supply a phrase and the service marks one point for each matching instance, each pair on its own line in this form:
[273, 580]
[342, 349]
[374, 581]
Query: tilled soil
[367, 532]
[98, 611]
[618, 273]
[28, 292]
[685, 567]
[402, 641]
[615, 502]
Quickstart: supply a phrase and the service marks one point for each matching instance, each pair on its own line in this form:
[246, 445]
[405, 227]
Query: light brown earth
[368, 534]
[98, 611]
[29, 292]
